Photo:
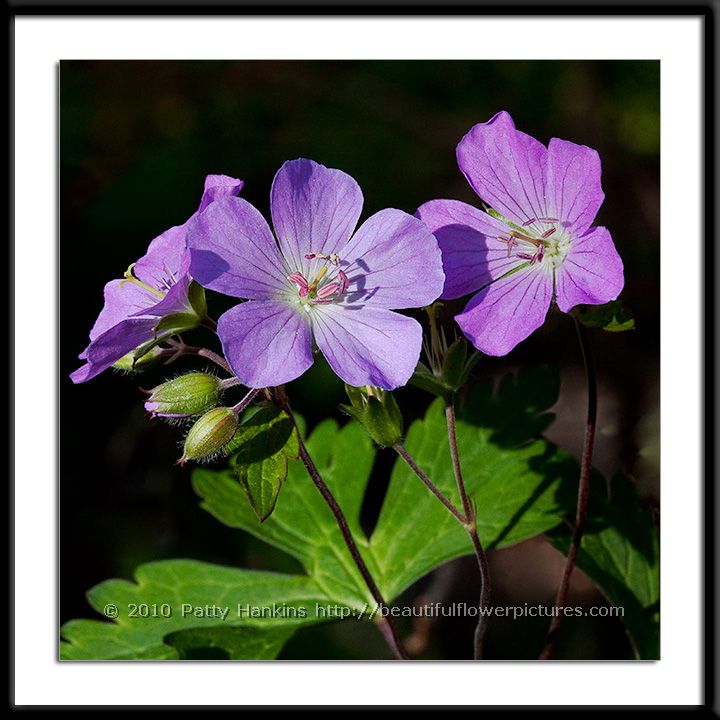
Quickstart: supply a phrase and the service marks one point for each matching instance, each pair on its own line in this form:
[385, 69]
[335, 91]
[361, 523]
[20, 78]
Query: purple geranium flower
[154, 287]
[317, 280]
[535, 241]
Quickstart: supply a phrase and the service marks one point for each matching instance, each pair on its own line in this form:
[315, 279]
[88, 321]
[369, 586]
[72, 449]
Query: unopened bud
[378, 412]
[184, 396]
[135, 361]
[210, 434]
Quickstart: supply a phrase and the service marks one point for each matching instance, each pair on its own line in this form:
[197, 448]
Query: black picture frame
[708, 11]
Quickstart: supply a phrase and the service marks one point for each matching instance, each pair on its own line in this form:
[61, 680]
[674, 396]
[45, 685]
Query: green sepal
[378, 412]
[196, 296]
[140, 359]
[176, 323]
[611, 317]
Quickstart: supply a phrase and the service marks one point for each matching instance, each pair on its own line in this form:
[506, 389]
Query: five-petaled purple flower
[154, 287]
[536, 240]
[318, 280]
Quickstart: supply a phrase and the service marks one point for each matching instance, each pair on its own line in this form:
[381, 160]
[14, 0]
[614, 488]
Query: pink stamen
[344, 282]
[328, 290]
[510, 242]
[529, 222]
[301, 282]
[548, 233]
[549, 219]
[310, 256]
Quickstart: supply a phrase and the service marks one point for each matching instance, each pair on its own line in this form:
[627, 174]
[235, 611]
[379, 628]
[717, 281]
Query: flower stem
[467, 518]
[471, 528]
[209, 323]
[237, 409]
[583, 491]
[214, 357]
[178, 348]
[429, 484]
[385, 625]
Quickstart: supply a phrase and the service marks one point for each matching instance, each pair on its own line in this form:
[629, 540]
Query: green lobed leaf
[620, 552]
[302, 524]
[178, 584]
[522, 485]
[260, 449]
[229, 643]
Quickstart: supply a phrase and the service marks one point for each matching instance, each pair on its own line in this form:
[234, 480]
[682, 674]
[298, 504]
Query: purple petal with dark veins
[592, 272]
[574, 193]
[393, 261]
[234, 252]
[472, 255]
[114, 343]
[368, 345]
[505, 167]
[314, 210]
[508, 310]
[266, 342]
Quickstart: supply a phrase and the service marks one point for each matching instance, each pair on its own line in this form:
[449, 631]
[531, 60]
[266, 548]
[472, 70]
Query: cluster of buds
[448, 365]
[377, 411]
[196, 396]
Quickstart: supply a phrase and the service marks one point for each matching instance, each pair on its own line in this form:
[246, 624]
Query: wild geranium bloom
[318, 280]
[154, 287]
[535, 241]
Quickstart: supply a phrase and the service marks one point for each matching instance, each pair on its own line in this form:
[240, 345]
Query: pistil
[130, 277]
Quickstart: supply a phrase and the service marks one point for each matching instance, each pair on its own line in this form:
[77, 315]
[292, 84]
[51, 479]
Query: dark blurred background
[136, 141]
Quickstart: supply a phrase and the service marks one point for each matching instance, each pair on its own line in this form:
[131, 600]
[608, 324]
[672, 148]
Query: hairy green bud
[185, 396]
[210, 433]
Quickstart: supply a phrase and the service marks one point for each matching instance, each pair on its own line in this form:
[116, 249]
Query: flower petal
[266, 342]
[505, 167]
[393, 261]
[314, 209]
[113, 344]
[574, 193]
[508, 310]
[368, 346]
[160, 266]
[122, 299]
[217, 186]
[233, 251]
[472, 255]
[592, 272]
[175, 301]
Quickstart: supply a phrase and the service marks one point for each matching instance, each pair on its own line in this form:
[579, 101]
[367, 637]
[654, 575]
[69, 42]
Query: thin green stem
[583, 491]
[385, 625]
[429, 484]
[471, 527]
[178, 348]
[237, 409]
[209, 323]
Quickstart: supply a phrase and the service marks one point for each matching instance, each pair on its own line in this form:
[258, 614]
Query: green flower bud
[186, 395]
[378, 412]
[139, 360]
[211, 432]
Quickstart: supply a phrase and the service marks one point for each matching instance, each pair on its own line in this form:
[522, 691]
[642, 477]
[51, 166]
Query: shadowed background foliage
[137, 139]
